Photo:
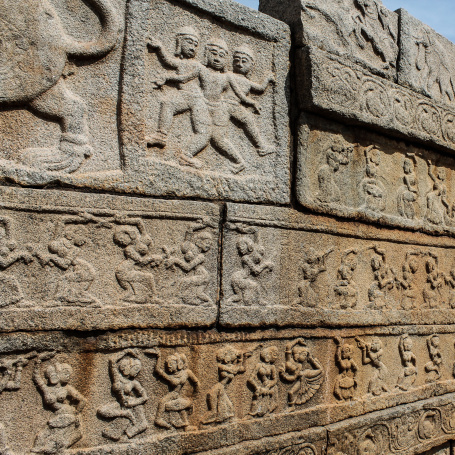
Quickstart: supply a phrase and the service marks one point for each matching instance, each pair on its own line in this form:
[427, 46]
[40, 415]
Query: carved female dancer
[132, 236]
[173, 408]
[345, 382]
[409, 373]
[372, 354]
[63, 427]
[433, 367]
[435, 280]
[408, 192]
[263, 381]
[307, 381]
[231, 362]
[372, 190]
[437, 204]
[124, 368]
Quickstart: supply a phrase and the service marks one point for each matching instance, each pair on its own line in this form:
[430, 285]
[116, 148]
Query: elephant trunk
[110, 29]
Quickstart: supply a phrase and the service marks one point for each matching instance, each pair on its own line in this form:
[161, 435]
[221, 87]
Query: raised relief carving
[127, 414]
[435, 280]
[384, 281]
[34, 71]
[231, 363]
[434, 367]
[345, 288]
[336, 156]
[10, 289]
[408, 375]
[133, 273]
[372, 354]
[408, 283]
[372, 189]
[306, 381]
[247, 284]
[192, 288]
[212, 95]
[63, 428]
[437, 205]
[313, 264]
[63, 251]
[264, 383]
[346, 381]
[11, 372]
[175, 407]
[408, 193]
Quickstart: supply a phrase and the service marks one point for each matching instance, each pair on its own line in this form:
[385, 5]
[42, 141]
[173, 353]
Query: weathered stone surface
[337, 88]
[221, 132]
[363, 31]
[283, 268]
[400, 391]
[427, 60]
[86, 262]
[354, 173]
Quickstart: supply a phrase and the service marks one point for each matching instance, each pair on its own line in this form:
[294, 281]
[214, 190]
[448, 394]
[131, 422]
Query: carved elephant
[34, 48]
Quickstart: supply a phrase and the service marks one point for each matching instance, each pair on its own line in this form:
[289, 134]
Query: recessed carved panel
[87, 262]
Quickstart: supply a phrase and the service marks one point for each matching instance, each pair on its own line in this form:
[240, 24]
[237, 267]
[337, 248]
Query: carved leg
[60, 104]
[220, 141]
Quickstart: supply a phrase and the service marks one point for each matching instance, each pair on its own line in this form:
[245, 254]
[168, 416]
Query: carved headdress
[184, 32]
[245, 50]
[218, 42]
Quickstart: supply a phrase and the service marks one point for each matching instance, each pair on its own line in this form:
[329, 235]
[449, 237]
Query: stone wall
[225, 231]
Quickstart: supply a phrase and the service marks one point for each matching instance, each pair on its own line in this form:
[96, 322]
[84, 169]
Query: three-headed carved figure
[434, 367]
[174, 407]
[192, 288]
[336, 156]
[34, 72]
[64, 426]
[438, 208]
[408, 375]
[372, 190]
[246, 283]
[408, 283]
[11, 372]
[63, 251]
[306, 381]
[132, 275]
[264, 383]
[212, 95]
[10, 289]
[345, 288]
[372, 24]
[231, 363]
[127, 412]
[313, 265]
[372, 354]
[345, 382]
[408, 193]
[384, 280]
[435, 280]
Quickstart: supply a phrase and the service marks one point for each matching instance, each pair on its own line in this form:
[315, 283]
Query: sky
[440, 16]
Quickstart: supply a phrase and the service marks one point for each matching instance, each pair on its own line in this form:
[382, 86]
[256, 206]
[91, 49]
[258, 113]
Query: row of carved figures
[125, 414]
[248, 290]
[134, 274]
[373, 188]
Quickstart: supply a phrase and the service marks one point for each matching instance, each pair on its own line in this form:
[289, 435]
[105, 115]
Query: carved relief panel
[427, 60]
[174, 392]
[203, 102]
[59, 88]
[382, 180]
[281, 267]
[365, 32]
[113, 262]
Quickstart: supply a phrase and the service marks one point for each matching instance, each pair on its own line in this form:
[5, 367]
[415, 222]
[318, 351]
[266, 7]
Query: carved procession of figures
[65, 262]
[276, 380]
[213, 96]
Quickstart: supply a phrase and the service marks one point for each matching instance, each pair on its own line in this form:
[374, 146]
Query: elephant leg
[60, 104]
